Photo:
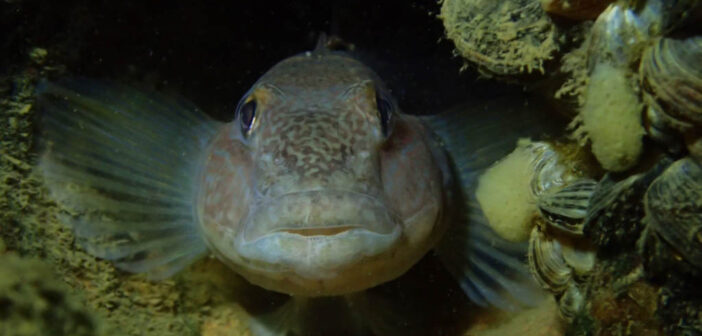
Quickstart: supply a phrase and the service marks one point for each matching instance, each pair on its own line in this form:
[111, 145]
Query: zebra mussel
[673, 206]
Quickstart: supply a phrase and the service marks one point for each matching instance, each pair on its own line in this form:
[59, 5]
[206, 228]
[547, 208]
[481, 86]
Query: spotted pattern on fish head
[321, 130]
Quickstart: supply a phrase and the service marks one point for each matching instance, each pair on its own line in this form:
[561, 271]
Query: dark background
[212, 51]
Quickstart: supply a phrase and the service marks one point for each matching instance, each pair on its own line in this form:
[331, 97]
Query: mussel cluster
[647, 228]
[559, 257]
[635, 67]
[673, 214]
[649, 225]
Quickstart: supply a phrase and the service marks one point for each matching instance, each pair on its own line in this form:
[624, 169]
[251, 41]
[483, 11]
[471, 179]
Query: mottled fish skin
[319, 197]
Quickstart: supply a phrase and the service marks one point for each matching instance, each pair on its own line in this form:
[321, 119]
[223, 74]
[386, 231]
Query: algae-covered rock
[34, 302]
[28, 227]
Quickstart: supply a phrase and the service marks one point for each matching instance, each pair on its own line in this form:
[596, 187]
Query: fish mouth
[319, 213]
[317, 233]
[323, 231]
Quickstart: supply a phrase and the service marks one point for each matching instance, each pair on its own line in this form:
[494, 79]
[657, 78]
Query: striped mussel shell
[565, 209]
[546, 262]
[555, 262]
[671, 76]
[557, 251]
[550, 172]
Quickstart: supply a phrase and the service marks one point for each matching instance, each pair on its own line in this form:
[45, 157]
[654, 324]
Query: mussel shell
[659, 127]
[620, 33]
[575, 9]
[571, 302]
[663, 263]
[546, 262]
[673, 205]
[671, 75]
[553, 172]
[625, 28]
[549, 171]
[566, 209]
[580, 258]
[614, 220]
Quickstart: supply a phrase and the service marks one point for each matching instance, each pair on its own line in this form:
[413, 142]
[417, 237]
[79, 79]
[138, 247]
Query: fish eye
[247, 115]
[385, 110]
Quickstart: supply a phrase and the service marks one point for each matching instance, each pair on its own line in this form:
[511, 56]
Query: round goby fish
[320, 186]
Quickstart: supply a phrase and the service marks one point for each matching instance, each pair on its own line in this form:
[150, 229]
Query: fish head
[320, 186]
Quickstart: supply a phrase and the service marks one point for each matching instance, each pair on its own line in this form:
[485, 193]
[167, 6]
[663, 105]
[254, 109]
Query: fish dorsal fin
[327, 43]
[321, 43]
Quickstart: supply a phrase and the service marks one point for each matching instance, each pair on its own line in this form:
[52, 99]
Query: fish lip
[315, 233]
[319, 231]
[319, 212]
[315, 257]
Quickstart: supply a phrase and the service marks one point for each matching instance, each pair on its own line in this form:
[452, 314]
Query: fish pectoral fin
[489, 269]
[121, 164]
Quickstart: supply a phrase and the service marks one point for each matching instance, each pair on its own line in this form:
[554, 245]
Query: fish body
[320, 186]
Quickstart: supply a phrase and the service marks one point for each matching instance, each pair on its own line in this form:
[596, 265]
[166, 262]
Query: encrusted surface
[501, 37]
